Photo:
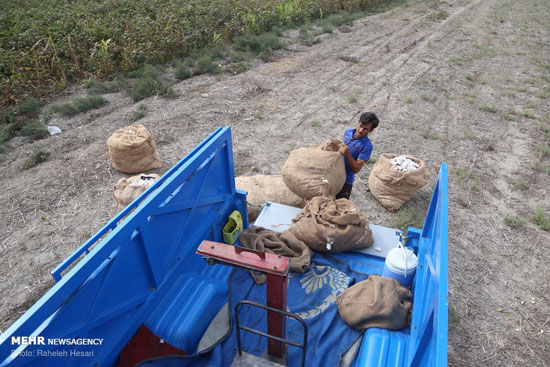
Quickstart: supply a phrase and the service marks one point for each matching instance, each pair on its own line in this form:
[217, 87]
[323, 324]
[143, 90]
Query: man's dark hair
[369, 118]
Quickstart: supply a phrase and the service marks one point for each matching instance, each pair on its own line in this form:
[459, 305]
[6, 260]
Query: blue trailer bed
[141, 270]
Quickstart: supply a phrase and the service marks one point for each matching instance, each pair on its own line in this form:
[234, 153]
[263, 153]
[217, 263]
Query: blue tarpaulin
[311, 295]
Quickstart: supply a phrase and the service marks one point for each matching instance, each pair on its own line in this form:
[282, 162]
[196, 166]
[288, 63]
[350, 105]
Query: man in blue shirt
[357, 149]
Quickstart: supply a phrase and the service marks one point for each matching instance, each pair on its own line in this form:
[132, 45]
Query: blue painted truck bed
[141, 269]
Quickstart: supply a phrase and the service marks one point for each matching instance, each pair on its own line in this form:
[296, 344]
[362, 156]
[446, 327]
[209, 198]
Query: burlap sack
[263, 188]
[133, 150]
[375, 302]
[127, 189]
[280, 243]
[315, 171]
[336, 223]
[392, 188]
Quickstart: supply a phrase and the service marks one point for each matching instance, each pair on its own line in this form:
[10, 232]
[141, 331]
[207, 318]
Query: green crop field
[47, 44]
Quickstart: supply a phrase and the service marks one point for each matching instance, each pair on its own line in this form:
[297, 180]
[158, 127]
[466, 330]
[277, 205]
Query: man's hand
[344, 150]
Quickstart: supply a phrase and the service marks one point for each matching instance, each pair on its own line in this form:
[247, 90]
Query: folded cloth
[280, 243]
[375, 302]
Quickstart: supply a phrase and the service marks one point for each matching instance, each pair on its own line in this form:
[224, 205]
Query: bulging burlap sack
[392, 188]
[133, 150]
[127, 189]
[262, 188]
[336, 223]
[375, 302]
[279, 243]
[315, 171]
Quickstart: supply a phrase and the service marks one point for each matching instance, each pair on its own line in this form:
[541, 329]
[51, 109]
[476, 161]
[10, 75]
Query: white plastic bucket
[401, 265]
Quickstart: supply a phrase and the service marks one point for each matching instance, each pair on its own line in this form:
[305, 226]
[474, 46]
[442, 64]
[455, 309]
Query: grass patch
[539, 167]
[352, 98]
[462, 174]
[408, 217]
[521, 185]
[327, 28]
[488, 108]
[35, 130]
[79, 105]
[509, 116]
[541, 219]
[96, 87]
[139, 113]
[545, 150]
[439, 15]
[414, 126]
[469, 135]
[316, 123]
[36, 158]
[528, 114]
[30, 106]
[514, 221]
[149, 83]
[409, 100]
[305, 38]
[429, 135]
[426, 97]
[372, 160]
[258, 44]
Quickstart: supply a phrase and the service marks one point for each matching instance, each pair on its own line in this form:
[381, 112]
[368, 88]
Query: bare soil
[432, 70]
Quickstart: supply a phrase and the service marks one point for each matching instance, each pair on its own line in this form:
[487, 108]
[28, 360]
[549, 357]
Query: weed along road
[464, 82]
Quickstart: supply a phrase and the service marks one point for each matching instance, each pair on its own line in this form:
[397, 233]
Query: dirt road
[464, 82]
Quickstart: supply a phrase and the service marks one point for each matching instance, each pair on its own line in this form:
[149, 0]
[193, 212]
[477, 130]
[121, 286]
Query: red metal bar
[276, 269]
[276, 288]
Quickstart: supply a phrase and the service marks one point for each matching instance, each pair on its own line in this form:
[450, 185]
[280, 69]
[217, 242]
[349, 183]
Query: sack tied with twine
[375, 302]
[315, 171]
[133, 150]
[127, 189]
[392, 188]
[327, 224]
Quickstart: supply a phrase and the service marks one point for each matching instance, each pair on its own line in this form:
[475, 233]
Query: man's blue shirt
[359, 149]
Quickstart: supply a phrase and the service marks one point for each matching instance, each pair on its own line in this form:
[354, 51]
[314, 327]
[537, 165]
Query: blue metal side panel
[182, 322]
[112, 290]
[382, 348]
[429, 326]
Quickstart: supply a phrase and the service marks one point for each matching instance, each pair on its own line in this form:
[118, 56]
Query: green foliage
[5, 134]
[79, 105]
[429, 135]
[36, 158]
[150, 82]
[48, 44]
[408, 217]
[541, 219]
[462, 174]
[514, 221]
[316, 123]
[96, 87]
[488, 108]
[8, 117]
[545, 150]
[139, 113]
[30, 106]
[258, 44]
[305, 37]
[426, 97]
[35, 130]
[521, 185]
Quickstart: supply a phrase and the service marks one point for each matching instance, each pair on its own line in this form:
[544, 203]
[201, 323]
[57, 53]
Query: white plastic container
[401, 264]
